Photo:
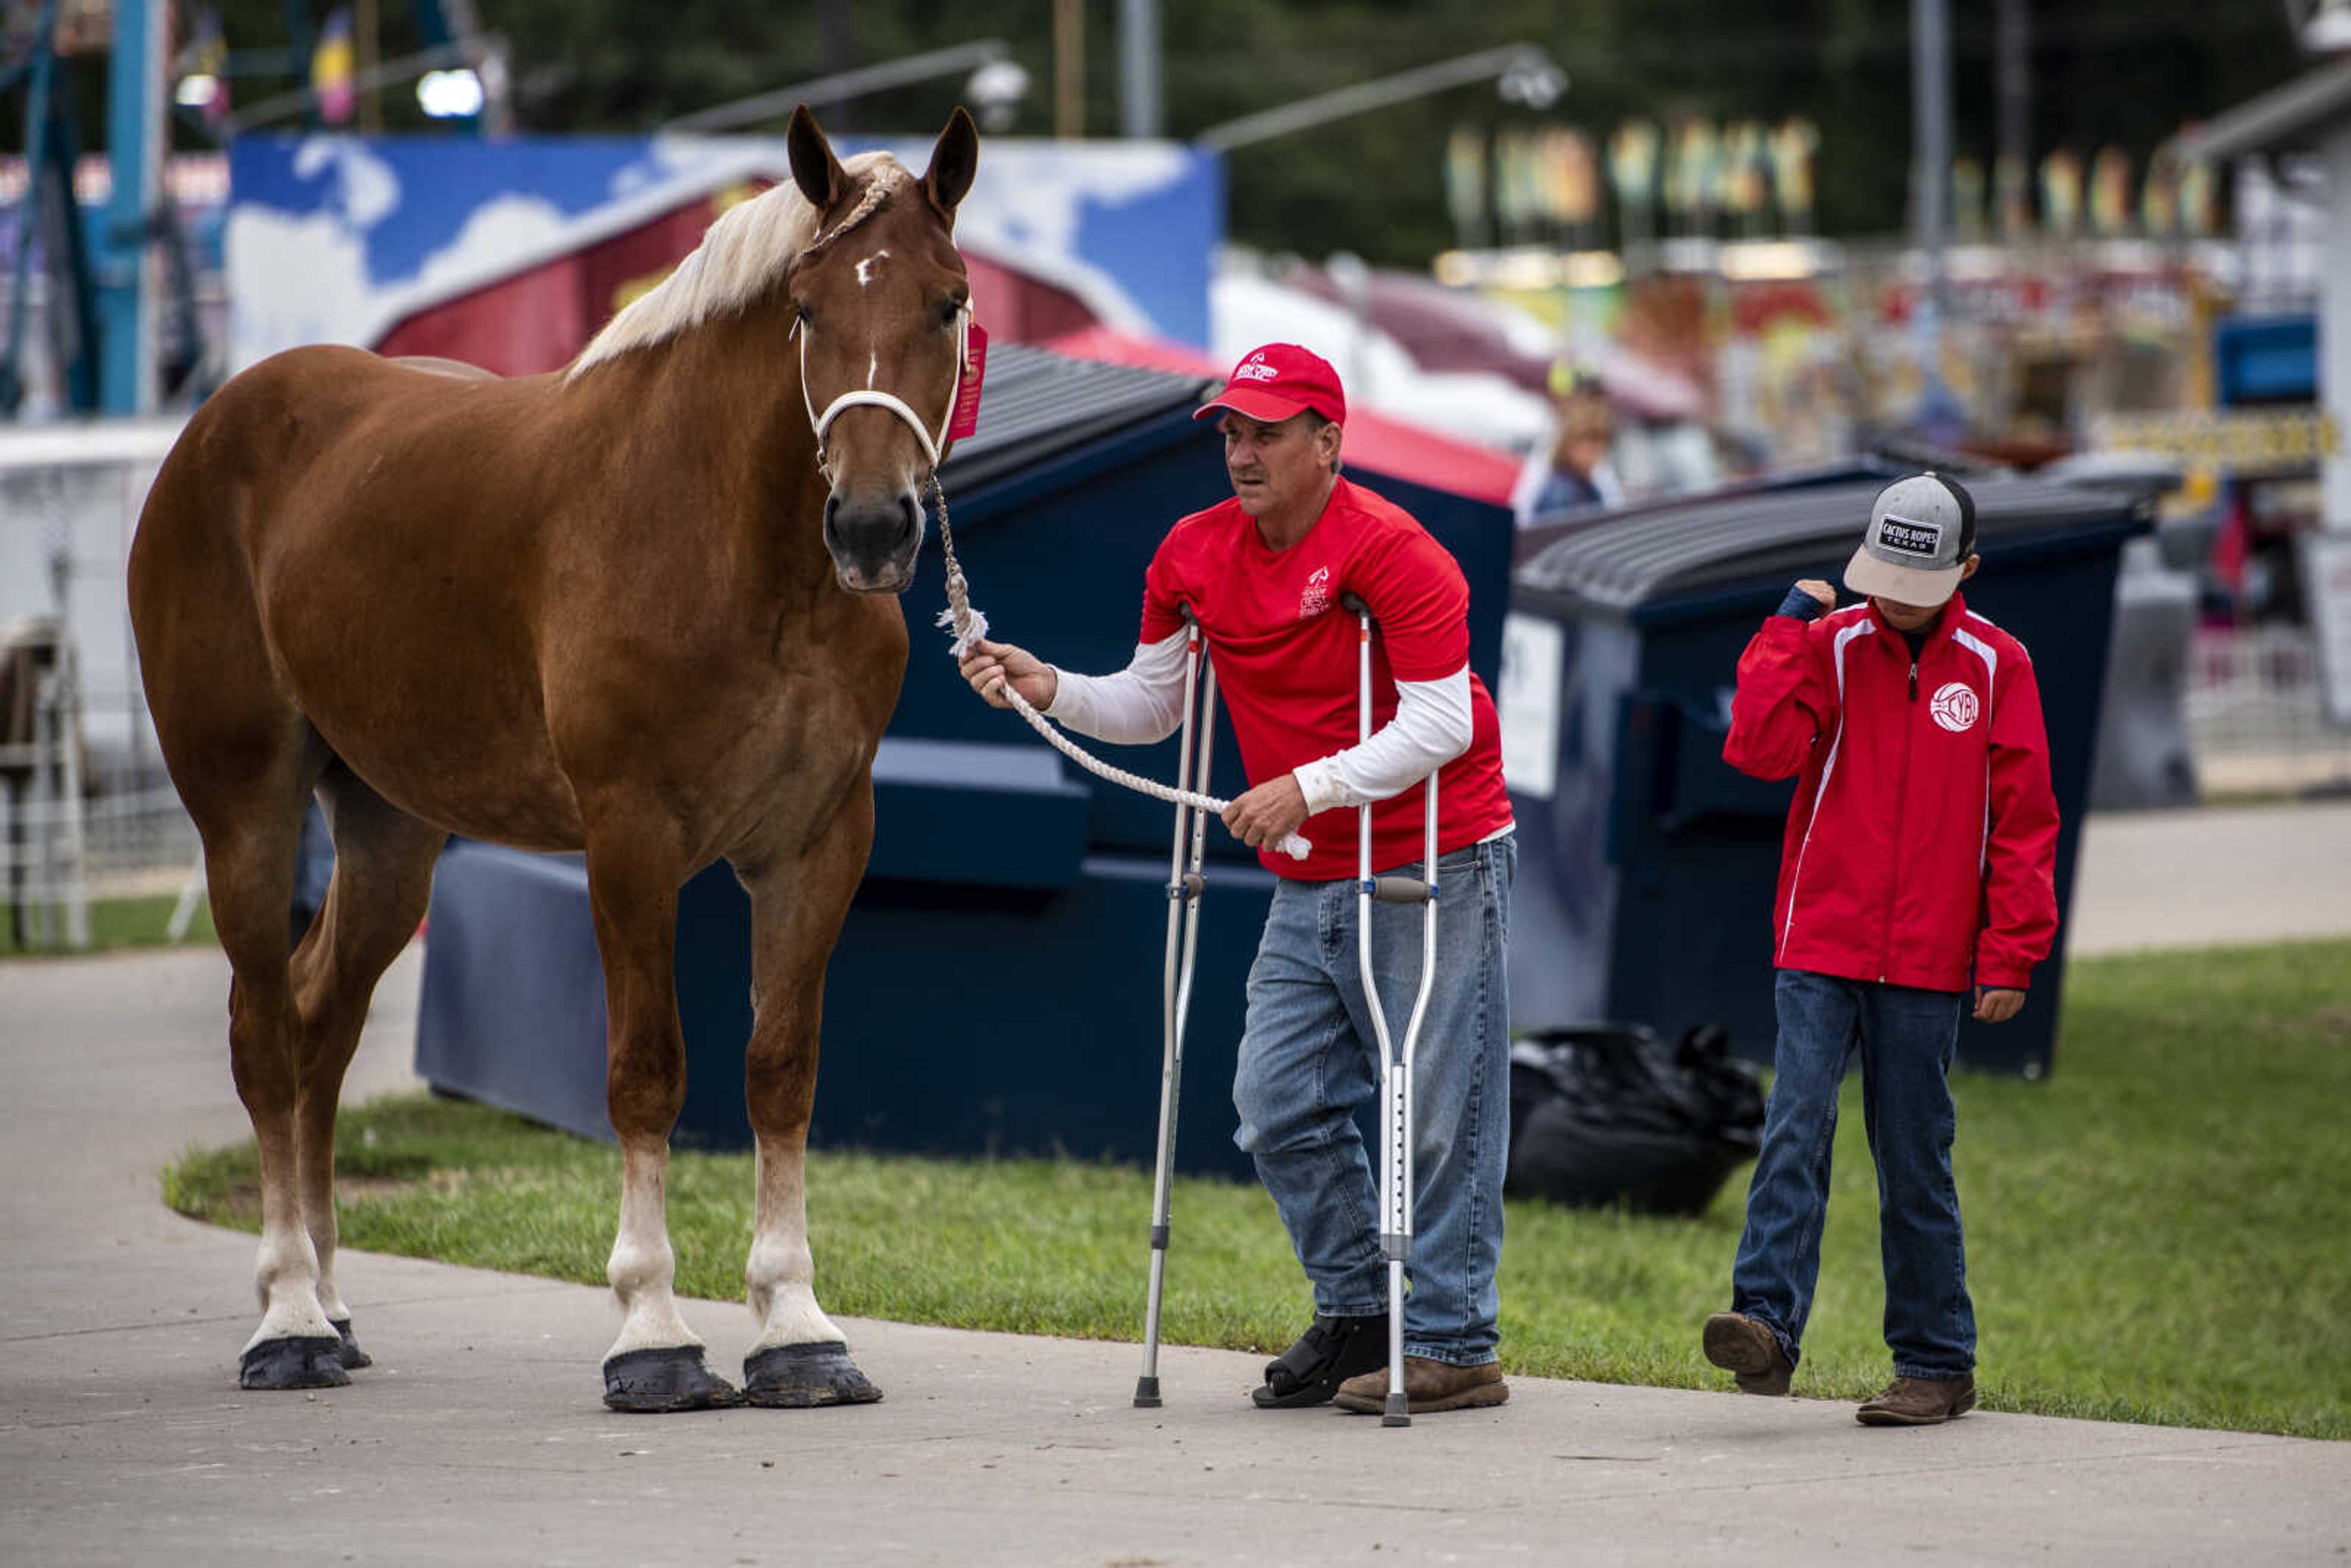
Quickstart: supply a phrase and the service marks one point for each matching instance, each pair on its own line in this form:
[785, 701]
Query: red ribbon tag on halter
[965, 419]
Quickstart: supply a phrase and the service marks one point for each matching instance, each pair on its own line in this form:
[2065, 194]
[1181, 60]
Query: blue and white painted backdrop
[332, 238]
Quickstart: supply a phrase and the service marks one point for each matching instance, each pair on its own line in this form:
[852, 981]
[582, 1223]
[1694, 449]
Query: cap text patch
[1911, 539]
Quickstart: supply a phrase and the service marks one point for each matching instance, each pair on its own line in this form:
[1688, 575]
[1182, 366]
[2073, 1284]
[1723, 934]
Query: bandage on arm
[1431, 727]
[1140, 704]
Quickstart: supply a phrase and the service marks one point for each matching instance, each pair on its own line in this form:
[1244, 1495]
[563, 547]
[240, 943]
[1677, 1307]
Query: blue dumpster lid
[1037, 403]
[1888, 457]
[1664, 552]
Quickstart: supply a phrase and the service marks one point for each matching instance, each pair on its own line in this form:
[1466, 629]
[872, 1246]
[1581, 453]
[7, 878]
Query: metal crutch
[1395, 1064]
[1185, 886]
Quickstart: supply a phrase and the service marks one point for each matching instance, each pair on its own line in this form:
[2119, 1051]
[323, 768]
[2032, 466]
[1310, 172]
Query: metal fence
[86, 812]
[2255, 716]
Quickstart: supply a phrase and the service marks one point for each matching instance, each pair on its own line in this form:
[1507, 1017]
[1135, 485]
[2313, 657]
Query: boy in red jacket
[1916, 875]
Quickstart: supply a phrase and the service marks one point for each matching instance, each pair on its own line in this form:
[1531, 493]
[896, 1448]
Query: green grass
[116, 923]
[2155, 1233]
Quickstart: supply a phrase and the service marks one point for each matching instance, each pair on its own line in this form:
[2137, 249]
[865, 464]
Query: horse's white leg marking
[315, 1181]
[781, 1272]
[643, 1265]
[286, 1275]
[331, 1300]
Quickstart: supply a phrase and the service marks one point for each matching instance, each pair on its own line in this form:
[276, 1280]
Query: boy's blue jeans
[1309, 1059]
[1904, 1039]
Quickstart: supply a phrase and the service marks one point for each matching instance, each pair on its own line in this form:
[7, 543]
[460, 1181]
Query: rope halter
[821, 423]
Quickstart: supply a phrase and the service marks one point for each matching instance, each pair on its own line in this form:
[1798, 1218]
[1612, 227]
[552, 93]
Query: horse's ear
[818, 174]
[954, 160]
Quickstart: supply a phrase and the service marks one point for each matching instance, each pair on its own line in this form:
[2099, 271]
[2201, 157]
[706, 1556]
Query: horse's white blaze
[865, 268]
[642, 1265]
[873, 367]
[781, 1272]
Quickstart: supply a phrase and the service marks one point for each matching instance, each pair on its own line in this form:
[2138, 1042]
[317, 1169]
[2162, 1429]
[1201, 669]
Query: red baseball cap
[1279, 381]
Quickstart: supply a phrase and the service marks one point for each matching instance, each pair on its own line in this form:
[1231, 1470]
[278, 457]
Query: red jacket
[1922, 842]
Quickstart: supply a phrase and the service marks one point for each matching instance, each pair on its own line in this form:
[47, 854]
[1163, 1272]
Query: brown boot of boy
[1738, 1344]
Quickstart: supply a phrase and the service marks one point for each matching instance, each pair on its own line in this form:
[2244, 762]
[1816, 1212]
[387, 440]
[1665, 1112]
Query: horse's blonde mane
[742, 254]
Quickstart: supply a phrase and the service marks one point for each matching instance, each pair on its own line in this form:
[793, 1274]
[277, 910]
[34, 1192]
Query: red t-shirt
[1285, 655]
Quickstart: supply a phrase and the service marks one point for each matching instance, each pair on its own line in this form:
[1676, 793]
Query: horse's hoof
[349, 1351]
[306, 1362]
[797, 1376]
[664, 1379]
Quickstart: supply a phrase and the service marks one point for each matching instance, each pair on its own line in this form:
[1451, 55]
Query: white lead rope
[970, 625]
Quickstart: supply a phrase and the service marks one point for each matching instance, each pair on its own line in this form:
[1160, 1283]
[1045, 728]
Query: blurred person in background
[1265, 575]
[1574, 473]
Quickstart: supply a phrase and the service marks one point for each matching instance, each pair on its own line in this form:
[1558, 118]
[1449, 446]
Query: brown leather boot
[1920, 1402]
[1427, 1386]
[1738, 1343]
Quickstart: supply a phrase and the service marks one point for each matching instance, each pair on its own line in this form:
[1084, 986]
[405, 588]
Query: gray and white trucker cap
[1921, 531]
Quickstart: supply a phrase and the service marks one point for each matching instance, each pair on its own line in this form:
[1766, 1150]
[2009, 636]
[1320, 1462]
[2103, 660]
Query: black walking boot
[1328, 1353]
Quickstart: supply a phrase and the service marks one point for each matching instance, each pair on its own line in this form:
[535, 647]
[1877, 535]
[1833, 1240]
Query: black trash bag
[1608, 1115]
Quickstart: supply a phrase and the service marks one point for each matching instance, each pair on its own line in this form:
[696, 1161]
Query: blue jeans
[1309, 1059]
[1904, 1040]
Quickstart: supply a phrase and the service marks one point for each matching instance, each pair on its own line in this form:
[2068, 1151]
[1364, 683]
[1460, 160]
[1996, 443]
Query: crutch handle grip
[1400, 889]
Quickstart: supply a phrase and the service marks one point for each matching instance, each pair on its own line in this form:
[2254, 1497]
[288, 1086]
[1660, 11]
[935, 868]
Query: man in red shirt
[1263, 574]
[1918, 868]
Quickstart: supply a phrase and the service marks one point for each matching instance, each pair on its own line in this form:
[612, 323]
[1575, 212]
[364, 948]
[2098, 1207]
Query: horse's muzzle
[873, 543]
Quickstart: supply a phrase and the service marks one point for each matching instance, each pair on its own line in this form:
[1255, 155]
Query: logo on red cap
[1279, 381]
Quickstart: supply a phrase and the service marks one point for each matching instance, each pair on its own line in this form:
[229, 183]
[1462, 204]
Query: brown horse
[645, 607]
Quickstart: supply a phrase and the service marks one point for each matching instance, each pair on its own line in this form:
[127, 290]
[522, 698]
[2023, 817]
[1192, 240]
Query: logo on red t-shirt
[1316, 598]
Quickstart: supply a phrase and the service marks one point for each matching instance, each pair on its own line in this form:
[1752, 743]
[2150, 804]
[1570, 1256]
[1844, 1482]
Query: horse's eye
[948, 311]
[807, 316]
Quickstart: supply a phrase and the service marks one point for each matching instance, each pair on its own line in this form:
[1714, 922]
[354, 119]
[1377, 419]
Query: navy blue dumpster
[996, 985]
[1648, 864]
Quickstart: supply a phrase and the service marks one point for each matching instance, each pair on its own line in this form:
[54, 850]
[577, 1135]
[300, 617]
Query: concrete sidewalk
[2212, 876]
[477, 1437]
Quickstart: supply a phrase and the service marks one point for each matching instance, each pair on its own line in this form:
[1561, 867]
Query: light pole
[1930, 97]
[1138, 68]
[1526, 74]
[997, 84]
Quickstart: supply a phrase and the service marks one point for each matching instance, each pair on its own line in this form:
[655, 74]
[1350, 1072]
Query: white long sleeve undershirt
[1143, 703]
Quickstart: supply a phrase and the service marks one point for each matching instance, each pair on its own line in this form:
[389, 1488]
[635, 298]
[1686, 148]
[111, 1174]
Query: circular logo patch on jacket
[1955, 707]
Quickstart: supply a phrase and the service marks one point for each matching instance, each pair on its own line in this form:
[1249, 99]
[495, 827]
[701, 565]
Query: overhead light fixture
[449, 95]
[1536, 83]
[997, 87]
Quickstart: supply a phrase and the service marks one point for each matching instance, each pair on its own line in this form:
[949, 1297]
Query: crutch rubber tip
[1146, 1394]
[1399, 1410]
